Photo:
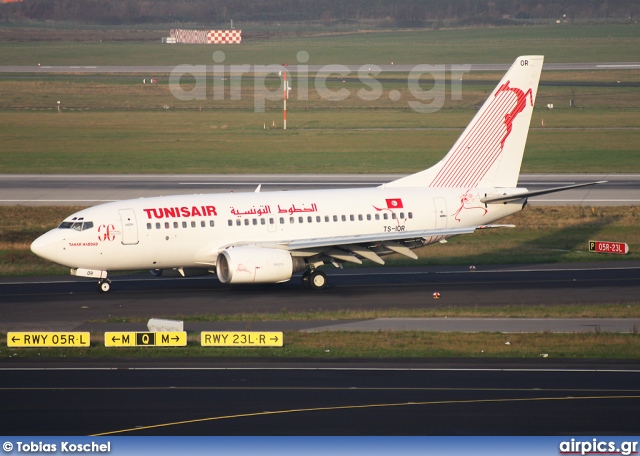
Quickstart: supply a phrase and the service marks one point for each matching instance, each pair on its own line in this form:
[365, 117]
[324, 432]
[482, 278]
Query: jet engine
[256, 265]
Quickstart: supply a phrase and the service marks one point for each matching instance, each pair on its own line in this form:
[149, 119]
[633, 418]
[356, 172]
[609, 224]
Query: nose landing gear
[104, 285]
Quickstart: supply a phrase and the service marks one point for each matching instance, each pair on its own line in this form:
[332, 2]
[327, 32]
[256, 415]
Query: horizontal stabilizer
[487, 227]
[518, 196]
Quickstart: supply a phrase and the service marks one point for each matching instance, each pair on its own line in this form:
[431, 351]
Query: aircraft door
[440, 205]
[129, 227]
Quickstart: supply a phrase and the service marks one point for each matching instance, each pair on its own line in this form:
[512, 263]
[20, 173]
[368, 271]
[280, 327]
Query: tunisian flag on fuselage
[394, 203]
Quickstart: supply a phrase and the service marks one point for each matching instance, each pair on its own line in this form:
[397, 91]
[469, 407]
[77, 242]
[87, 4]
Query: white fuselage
[191, 230]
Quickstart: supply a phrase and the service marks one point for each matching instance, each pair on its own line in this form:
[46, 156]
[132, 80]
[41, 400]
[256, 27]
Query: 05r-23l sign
[618, 248]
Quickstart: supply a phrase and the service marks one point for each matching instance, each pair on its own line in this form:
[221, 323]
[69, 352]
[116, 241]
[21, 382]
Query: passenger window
[318, 219]
[385, 216]
[410, 215]
[230, 222]
[158, 226]
[344, 218]
[211, 223]
[352, 218]
[393, 215]
[246, 222]
[377, 216]
[300, 219]
[203, 224]
[401, 215]
[368, 216]
[148, 226]
[255, 221]
[335, 218]
[309, 219]
[360, 217]
[281, 220]
[271, 220]
[193, 223]
[175, 224]
[166, 225]
[262, 222]
[292, 220]
[326, 218]
[238, 222]
[184, 224]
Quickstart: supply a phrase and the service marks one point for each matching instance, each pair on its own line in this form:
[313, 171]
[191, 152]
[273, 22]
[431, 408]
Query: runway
[69, 303]
[313, 69]
[319, 397]
[89, 190]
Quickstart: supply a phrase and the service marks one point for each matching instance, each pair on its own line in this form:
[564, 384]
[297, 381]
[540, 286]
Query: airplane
[266, 237]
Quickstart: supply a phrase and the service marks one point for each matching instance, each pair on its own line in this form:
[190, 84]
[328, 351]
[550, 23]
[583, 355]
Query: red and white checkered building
[207, 36]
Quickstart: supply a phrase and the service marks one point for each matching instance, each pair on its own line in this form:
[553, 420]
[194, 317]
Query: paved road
[66, 303]
[151, 70]
[37, 190]
[319, 397]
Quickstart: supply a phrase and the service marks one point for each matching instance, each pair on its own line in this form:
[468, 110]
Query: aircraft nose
[45, 246]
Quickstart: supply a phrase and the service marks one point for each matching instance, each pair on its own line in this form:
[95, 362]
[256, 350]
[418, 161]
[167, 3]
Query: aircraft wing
[345, 248]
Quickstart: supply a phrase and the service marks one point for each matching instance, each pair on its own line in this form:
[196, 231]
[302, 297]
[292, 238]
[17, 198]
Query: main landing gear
[104, 285]
[314, 279]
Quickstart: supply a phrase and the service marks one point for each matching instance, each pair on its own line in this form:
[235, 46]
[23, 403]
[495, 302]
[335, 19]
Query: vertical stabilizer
[489, 151]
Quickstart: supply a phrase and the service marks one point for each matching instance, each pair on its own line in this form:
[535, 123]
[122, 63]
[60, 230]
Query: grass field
[318, 142]
[559, 43]
[116, 124]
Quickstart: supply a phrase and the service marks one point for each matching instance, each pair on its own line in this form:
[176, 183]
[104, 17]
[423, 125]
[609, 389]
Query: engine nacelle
[256, 265]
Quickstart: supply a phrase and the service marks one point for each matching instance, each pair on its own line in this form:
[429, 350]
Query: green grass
[519, 311]
[559, 43]
[235, 142]
[403, 344]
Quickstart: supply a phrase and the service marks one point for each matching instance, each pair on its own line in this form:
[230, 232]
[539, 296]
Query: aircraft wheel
[104, 286]
[317, 280]
[156, 272]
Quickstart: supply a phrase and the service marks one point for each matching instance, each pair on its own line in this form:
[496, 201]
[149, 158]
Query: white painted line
[620, 65]
[488, 271]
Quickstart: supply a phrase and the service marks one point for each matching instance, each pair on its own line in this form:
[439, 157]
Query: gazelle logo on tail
[520, 105]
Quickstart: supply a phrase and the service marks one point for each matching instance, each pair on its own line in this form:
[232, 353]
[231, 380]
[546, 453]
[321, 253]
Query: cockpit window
[76, 225]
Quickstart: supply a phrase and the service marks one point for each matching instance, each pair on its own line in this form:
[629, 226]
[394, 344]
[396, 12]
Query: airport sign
[48, 339]
[618, 248]
[146, 339]
[241, 339]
